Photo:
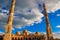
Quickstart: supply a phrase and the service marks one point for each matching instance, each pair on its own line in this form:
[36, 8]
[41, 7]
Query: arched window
[36, 38]
[33, 39]
[21, 38]
[1, 38]
[29, 38]
[39, 39]
[25, 38]
[12, 38]
[18, 38]
[15, 38]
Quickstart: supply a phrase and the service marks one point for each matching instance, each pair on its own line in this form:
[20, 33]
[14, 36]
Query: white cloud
[27, 12]
[51, 5]
[22, 19]
[13, 28]
[58, 14]
[25, 18]
[1, 33]
[58, 26]
[3, 20]
[31, 32]
[56, 35]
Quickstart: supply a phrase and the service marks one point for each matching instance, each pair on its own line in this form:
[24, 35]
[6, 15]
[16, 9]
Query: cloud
[58, 14]
[58, 26]
[13, 28]
[31, 32]
[25, 4]
[3, 20]
[51, 5]
[27, 12]
[26, 18]
[1, 33]
[57, 35]
[21, 19]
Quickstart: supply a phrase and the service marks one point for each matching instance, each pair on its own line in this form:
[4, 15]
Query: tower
[7, 35]
[48, 28]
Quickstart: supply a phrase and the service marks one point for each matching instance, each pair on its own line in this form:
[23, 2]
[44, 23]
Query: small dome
[38, 33]
[25, 31]
[18, 33]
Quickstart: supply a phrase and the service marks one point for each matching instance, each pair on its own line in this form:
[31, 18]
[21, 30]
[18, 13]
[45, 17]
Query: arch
[12, 38]
[1, 38]
[15, 38]
[29, 38]
[18, 38]
[32, 38]
[21, 38]
[39, 39]
[25, 38]
[35, 38]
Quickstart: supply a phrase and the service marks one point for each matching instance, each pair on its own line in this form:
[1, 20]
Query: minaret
[48, 28]
[7, 35]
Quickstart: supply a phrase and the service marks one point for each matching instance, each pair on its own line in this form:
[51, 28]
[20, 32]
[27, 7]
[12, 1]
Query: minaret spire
[7, 36]
[48, 28]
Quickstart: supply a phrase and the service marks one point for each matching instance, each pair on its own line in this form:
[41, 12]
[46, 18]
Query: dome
[38, 33]
[18, 33]
[25, 32]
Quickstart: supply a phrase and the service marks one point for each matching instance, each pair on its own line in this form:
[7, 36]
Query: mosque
[25, 35]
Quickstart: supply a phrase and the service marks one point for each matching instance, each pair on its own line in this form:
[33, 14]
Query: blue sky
[29, 15]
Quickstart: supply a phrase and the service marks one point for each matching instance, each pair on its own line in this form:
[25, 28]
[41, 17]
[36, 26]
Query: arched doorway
[21, 38]
[18, 38]
[29, 38]
[25, 38]
[12, 38]
[1, 38]
[15, 38]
